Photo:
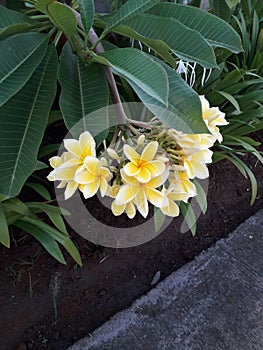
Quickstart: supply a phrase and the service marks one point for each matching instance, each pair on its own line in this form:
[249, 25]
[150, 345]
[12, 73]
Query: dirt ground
[45, 305]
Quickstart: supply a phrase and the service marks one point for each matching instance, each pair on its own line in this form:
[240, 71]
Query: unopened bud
[140, 140]
[112, 153]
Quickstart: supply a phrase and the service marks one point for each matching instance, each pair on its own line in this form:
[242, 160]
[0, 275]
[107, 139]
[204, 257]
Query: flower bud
[140, 140]
[112, 153]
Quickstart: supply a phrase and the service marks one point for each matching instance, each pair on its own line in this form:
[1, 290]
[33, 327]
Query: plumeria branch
[93, 38]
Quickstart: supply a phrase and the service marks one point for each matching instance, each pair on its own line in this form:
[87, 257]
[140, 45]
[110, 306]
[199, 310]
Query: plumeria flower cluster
[157, 168]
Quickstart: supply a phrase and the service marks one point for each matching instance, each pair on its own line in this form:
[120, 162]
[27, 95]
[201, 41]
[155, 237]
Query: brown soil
[45, 305]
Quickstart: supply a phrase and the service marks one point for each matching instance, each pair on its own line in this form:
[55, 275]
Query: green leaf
[231, 99]
[57, 221]
[54, 116]
[189, 216]
[38, 207]
[214, 29]
[159, 219]
[187, 44]
[158, 46]
[183, 112]
[40, 189]
[13, 22]
[17, 65]
[84, 90]
[17, 206]
[3, 197]
[221, 9]
[63, 18]
[42, 6]
[21, 133]
[87, 11]
[231, 3]
[141, 69]
[46, 240]
[244, 169]
[4, 232]
[48, 149]
[201, 196]
[58, 236]
[130, 9]
[40, 165]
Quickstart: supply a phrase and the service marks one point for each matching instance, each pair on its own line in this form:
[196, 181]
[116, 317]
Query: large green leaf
[87, 11]
[41, 235]
[186, 43]
[23, 119]
[214, 29]
[20, 56]
[12, 22]
[142, 70]
[158, 46]
[184, 108]
[130, 9]
[4, 232]
[84, 90]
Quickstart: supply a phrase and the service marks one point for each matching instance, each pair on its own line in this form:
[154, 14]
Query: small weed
[16, 270]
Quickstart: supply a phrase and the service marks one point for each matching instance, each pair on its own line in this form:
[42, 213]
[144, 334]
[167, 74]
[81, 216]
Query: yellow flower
[140, 192]
[195, 164]
[172, 208]
[191, 143]
[93, 176]
[212, 116]
[64, 172]
[143, 167]
[81, 148]
[180, 182]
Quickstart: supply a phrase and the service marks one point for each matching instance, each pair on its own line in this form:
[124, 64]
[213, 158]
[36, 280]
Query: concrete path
[215, 302]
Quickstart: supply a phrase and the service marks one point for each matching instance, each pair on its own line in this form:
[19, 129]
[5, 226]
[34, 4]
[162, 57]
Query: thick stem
[93, 38]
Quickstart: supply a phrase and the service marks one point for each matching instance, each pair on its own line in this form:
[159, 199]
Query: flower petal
[144, 175]
[155, 167]
[178, 196]
[157, 198]
[128, 179]
[142, 203]
[130, 210]
[159, 180]
[87, 145]
[73, 147]
[91, 189]
[104, 172]
[126, 194]
[131, 169]
[62, 174]
[92, 164]
[171, 210]
[149, 151]
[103, 186]
[62, 184]
[55, 161]
[70, 189]
[117, 209]
[73, 162]
[131, 154]
[85, 177]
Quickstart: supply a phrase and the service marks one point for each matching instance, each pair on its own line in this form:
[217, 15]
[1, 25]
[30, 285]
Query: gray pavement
[215, 302]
